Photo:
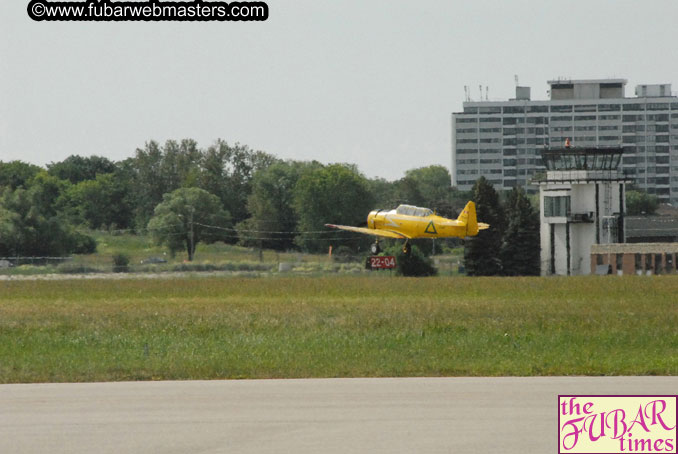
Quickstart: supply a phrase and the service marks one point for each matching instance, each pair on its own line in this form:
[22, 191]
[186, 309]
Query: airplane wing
[375, 232]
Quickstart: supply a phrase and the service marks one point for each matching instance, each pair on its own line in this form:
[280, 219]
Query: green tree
[383, 192]
[180, 164]
[431, 187]
[77, 168]
[48, 193]
[335, 194]
[31, 224]
[433, 184]
[186, 217]
[228, 171]
[149, 184]
[223, 170]
[482, 252]
[16, 174]
[520, 252]
[273, 219]
[102, 202]
[639, 202]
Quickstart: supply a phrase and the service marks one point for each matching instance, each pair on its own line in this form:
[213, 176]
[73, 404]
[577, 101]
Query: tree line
[183, 194]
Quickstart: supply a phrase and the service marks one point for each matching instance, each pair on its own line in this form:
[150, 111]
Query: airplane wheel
[407, 248]
[375, 249]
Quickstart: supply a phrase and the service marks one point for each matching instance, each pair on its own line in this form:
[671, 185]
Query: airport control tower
[581, 203]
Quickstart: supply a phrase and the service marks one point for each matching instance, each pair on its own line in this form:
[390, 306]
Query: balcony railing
[580, 217]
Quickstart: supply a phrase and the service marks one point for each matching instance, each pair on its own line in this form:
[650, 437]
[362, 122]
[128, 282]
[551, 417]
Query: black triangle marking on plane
[431, 228]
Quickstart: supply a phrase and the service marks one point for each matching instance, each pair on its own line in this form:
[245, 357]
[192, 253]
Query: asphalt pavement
[371, 415]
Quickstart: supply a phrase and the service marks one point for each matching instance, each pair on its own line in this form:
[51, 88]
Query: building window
[489, 110]
[638, 262]
[620, 262]
[657, 106]
[556, 206]
[585, 108]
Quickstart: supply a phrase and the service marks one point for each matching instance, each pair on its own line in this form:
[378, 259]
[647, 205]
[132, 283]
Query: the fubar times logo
[617, 424]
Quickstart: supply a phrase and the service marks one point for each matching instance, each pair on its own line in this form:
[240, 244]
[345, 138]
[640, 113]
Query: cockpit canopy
[409, 210]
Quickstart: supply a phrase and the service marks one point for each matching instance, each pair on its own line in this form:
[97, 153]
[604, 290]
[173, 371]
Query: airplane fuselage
[408, 222]
[429, 226]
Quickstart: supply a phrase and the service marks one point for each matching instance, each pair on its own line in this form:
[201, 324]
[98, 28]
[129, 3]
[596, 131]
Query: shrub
[83, 244]
[415, 264]
[120, 263]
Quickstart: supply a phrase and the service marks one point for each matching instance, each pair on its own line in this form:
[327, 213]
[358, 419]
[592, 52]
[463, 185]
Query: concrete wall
[582, 235]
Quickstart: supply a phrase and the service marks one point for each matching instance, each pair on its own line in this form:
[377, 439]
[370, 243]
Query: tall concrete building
[503, 140]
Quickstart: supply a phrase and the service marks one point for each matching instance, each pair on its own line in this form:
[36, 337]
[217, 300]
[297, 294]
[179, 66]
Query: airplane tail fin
[468, 218]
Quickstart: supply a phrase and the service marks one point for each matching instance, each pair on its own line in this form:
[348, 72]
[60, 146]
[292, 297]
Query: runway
[373, 415]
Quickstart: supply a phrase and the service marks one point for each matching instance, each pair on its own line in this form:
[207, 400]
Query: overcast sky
[359, 81]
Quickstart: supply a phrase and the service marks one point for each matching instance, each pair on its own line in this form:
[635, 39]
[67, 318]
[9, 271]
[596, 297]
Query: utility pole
[190, 258]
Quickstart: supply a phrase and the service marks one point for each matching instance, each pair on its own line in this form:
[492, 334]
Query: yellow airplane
[408, 222]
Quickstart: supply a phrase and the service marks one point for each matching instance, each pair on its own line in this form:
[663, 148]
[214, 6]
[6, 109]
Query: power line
[290, 232]
[237, 234]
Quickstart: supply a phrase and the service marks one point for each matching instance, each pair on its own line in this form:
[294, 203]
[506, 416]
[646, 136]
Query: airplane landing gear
[374, 248]
[407, 248]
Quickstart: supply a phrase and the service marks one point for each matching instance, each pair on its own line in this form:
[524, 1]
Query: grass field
[209, 257]
[211, 328]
